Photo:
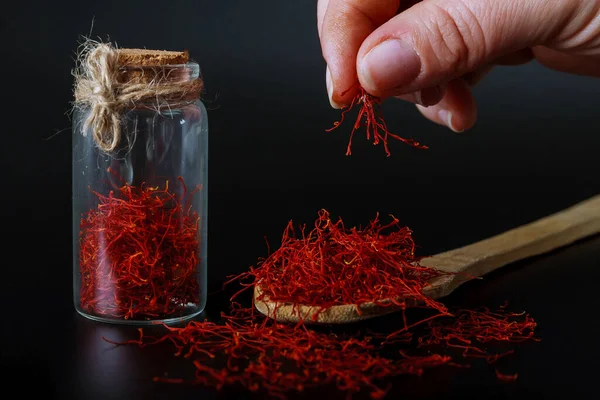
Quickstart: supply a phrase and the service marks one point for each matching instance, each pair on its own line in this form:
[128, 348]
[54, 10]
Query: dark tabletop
[534, 151]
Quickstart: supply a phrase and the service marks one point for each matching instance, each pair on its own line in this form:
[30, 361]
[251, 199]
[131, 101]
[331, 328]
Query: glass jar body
[140, 217]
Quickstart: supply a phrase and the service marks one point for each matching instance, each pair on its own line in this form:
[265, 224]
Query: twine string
[98, 87]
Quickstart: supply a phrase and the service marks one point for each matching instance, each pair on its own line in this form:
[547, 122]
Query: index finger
[343, 25]
[321, 8]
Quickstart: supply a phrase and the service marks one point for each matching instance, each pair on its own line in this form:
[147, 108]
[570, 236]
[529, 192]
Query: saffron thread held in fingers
[371, 118]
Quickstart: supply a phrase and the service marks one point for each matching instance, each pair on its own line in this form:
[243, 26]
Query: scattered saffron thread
[138, 254]
[258, 353]
[506, 378]
[325, 266]
[482, 326]
[370, 116]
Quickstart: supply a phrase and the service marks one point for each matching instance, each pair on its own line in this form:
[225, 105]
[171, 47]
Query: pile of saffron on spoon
[329, 265]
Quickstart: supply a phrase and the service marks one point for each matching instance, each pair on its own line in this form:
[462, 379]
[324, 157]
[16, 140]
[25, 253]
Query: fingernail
[389, 65]
[446, 118]
[329, 83]
[419, 98]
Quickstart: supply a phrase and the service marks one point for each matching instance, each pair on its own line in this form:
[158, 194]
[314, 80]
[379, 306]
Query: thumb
[436, 41]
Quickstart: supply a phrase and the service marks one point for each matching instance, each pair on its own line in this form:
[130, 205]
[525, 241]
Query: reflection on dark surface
[103, 370]
[101, 367]
[106, 370]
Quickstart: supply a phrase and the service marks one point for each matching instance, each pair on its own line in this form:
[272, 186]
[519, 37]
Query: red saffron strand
[334, 265]
[469, 329]
[261, 354]
[138, 255]
[370, 116]
[506, 378]
[328, 265]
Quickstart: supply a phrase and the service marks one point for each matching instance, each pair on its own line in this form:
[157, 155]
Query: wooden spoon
[474, 260]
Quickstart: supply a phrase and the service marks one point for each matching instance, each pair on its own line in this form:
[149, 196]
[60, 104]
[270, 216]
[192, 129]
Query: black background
[533, 151]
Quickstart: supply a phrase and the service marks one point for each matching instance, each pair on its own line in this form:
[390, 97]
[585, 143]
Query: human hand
[432, 51]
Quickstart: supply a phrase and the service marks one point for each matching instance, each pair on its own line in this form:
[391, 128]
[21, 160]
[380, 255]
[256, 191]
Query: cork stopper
[140, 65]
[144, 57]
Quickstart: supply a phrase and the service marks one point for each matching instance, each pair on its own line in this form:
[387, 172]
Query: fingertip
[329, 84]
[448, 119]
[346, 24]
[426, 97]
[442, 116]
[456, 111]
[463, 105]
[341, 89]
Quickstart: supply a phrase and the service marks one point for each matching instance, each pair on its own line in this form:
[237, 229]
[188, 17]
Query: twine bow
[97, 86]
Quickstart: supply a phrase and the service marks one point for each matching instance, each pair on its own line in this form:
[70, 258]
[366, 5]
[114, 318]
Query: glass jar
[140, 211]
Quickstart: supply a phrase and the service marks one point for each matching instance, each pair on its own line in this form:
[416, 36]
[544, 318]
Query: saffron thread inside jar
[139, 253]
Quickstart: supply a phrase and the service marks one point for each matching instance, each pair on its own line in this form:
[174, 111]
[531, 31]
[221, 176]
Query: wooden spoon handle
[544, 235]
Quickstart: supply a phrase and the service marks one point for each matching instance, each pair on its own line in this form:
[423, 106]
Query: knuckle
[455, 37]
[581, 34]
